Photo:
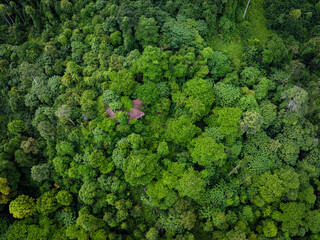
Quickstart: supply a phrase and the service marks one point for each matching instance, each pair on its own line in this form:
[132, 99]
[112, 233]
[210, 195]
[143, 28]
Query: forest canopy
[159, 119]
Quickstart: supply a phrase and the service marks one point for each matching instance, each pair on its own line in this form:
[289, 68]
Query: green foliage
[141, 167]
[295, 98]
[226, 94]
[4, 191]
[46, 130]
[24, 160]
[98, 160]
[10, 172]
[249, 76]
[268, 113]
[64, 198]
[207, 152]
[147, 93]
[269, 228]
[64, 113]
[23, 206]
[181, 32]
[163, 149]
[147, 31]
[220, 65]
[248, 103]
[122, 82]
[47, 203]
[16, 126]
[152, 234]
[251, 122]
[190, 185]
[226, 120]
[65, 148]
[196, 97]
[88, 192]
[313, 220]
[40, 172]
[181, 130]
[275, 51]
[291, 216]
[206, 75]
[110, 96]
[30, 146]
[271, 187]
[89, 223]
[152, 64]
[115, 38]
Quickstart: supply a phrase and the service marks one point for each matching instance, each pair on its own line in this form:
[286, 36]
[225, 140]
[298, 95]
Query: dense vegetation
[228, 147]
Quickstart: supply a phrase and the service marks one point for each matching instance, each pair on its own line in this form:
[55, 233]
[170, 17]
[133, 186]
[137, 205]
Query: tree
[219, 65]
[275, 51]
[23, 159]
[181, 130]
[147, 31]
[310, 52]
[261, 89]
[248, 102]
[271, 187]
[46, 130]
[226, 120]
[249, 76]
[64, 198]
[122, 117]
[163, 149]
[152, 64]
[64, 113]
[4, 191]
[292, 216]
[115, 62]
[89, 223]
[190, 185]
[269, 228]
[88, 192]
[180, 33]
[65, 148]
[313, 219]
[207, 152]
[23, 206]
[251, 122]
[152, 234]
[147, 93]
[16, 126]
[110, 97]
[122, 82]
[47, 202]
[295, 98]
[226, 94]
[268, 113]
[61, 165]
[115, 38]
[40, 172]
[66, 6]
[98, 160]
[141, 167]
[196, 97]
[30, 146]
[10, 172]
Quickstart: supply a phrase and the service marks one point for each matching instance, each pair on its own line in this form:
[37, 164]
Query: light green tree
[207, 151]
[147, 31]
[181, 130]
[23, 206]
[251, 122]
[141, 167]
[16, 126]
